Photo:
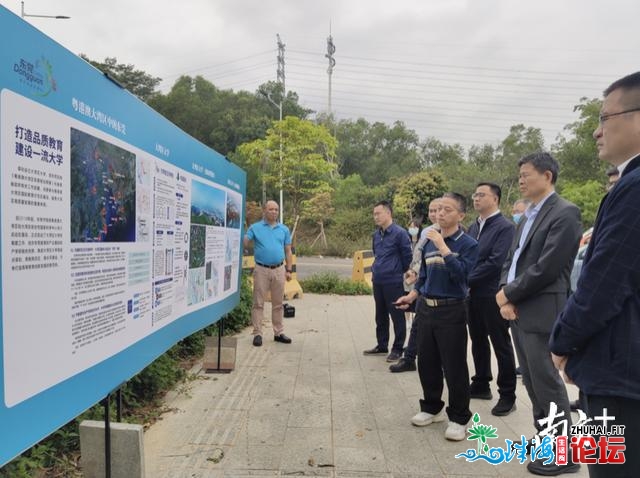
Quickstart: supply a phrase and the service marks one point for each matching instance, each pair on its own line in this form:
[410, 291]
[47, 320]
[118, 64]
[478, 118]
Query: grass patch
[331, 283]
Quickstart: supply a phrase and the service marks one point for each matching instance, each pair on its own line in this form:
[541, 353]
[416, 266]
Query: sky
[462, 71]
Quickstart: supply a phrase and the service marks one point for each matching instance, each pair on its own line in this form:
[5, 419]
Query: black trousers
[442, 353]
[485, 322]
[384, 296]
[627, 412]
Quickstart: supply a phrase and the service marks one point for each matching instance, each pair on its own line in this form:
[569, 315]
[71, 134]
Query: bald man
[272, 252]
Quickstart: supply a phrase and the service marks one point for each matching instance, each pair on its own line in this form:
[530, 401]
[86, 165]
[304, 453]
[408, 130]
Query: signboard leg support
[119, 405]
[107, 437]
[220, 333]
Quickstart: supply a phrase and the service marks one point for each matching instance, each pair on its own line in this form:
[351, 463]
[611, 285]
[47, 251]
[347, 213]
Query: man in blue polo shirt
[442, 291]
[272, 250]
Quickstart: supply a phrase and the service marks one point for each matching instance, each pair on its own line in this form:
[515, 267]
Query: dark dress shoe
[504, 407]
[393, 356]
[375, 351]
[282, 338]
[480, 393]
[403, 365]
[538, 468]
[257, 340]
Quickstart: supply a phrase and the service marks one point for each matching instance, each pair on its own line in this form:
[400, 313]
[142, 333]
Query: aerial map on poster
[120, 235]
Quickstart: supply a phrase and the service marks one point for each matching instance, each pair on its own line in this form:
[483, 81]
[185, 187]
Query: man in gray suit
[535, 285]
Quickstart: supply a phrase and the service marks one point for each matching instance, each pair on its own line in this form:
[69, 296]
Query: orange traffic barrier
[362, 262]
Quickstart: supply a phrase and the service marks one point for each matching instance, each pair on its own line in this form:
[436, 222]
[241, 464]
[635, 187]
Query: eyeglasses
[602, 117]
[478, 195]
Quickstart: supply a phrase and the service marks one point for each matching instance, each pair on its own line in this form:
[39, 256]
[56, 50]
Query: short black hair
[628, 82]
[459, 198]
[612, 171]
[385, 204]
[495, 189]
[542, 162]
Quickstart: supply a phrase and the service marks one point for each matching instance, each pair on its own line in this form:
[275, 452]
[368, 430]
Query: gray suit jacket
[542, 283]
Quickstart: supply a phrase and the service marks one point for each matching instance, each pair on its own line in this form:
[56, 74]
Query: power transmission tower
[331, 49]
[280, 73]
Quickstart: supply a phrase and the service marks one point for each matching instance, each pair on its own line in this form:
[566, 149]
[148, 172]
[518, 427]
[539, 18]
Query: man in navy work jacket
[441, 317]
[494, 234]
[596, 339]
[392, 253]
[274, 260]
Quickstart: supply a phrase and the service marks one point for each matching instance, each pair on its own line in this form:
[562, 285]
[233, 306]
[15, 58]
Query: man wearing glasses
[596, 339]
[535, 284]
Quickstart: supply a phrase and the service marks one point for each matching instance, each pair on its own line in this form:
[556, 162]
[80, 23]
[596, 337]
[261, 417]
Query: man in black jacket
[596, 339]
[494, 234]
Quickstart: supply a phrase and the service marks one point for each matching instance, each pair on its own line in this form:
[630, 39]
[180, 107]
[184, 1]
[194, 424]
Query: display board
[119, 234]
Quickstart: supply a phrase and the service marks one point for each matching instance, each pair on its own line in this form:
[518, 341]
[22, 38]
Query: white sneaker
[423, 419]
[455, 431]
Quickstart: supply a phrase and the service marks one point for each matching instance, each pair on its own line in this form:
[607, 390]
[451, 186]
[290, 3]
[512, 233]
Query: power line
[465, 67]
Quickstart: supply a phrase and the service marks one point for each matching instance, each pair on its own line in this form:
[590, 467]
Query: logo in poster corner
[36, 75]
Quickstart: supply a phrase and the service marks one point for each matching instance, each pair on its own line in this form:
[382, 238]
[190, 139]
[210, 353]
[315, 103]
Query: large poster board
[119, 235]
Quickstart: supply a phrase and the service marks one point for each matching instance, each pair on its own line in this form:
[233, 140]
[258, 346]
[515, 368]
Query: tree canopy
[333, 171]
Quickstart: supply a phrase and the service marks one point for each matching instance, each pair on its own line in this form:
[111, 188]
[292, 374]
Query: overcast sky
[459, 70]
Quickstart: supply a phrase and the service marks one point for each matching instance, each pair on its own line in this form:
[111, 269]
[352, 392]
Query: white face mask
[413, 231]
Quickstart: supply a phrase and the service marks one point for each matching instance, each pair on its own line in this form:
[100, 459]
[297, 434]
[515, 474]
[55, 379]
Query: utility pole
[280, 78]
[331, 49]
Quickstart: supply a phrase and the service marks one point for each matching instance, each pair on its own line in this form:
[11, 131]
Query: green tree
[308, 152]
[318, 209]
[587, 196]
[138, 82]
[224, 119]
[576, 150]
[436, 153]
[414, 194]
[353, 200]
[520, 142]
[376, 152]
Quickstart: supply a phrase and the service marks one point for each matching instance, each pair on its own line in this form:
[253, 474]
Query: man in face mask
[518, 209]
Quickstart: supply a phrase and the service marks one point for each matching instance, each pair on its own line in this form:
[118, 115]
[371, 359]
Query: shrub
[331, 283]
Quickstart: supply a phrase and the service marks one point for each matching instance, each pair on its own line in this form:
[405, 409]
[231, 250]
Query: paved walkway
[317, 407]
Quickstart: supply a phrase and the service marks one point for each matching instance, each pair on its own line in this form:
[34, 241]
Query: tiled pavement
[317, 407]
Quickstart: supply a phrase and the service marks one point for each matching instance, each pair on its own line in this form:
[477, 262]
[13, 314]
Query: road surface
[309, 265]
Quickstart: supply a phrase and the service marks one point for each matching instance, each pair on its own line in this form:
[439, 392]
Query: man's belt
[439, 302]
[274, 266]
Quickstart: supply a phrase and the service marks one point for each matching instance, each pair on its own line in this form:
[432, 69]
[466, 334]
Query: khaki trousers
[268, 280]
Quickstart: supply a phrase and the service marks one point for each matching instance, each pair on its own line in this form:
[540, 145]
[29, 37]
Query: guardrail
[362, 262]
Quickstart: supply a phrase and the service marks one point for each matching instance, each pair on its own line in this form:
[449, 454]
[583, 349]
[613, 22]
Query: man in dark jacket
[392, 253]
[494, 234]
[596, 339]
[535, 280]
